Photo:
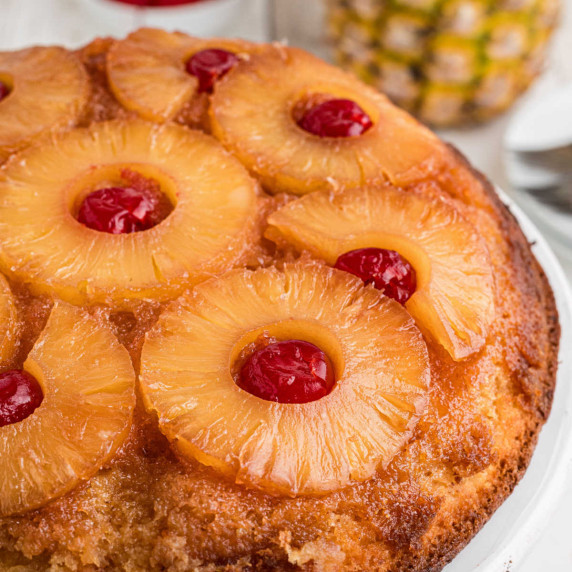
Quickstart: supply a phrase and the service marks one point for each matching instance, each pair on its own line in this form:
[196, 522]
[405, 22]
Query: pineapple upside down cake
[254, 317]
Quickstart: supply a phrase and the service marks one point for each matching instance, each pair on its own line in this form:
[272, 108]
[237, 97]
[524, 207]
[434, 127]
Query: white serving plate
[505, 540]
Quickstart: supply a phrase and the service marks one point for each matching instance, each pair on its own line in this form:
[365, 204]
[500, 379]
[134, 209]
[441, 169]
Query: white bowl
[205, 18]
[508, 536]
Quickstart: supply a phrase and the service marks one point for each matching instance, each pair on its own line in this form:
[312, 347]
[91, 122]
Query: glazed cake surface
[466, 441]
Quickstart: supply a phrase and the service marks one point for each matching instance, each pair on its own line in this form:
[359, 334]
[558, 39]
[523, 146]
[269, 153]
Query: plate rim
[538, 507]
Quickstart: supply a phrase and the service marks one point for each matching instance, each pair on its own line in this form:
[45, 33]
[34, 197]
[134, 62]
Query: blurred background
[493, 77]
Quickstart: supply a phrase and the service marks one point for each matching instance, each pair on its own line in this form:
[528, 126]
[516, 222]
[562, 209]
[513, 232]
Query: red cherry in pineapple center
[386, 269]
[209, 65]
[336, 118]
[4, 91]
[122, 210]
[20, 396]
[291, 371]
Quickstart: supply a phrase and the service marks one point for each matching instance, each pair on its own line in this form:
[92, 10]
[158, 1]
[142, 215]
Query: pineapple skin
[450, 63]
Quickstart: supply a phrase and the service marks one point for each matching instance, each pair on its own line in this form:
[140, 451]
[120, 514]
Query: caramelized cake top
[438, 397]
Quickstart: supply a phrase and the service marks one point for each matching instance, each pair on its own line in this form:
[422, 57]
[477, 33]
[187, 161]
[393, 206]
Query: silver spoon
[538, 146]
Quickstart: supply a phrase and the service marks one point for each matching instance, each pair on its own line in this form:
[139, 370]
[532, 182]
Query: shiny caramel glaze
[149, 510]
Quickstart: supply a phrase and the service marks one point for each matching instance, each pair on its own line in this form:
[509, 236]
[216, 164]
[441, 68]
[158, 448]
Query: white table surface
[26, 22]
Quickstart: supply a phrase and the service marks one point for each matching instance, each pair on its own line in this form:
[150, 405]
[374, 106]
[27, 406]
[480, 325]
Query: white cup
[204, 18]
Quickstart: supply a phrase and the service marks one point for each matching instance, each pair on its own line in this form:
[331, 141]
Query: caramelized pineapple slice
[48, 89]
[8, 321]
[255, 112]
[88, 384]
[454, 299]
[381, 370]
[147, 70]
[209, 229]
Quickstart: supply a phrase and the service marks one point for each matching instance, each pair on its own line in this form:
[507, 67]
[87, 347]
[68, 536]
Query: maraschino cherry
[20, 396]
[209, 65]
[336, 118]
[4, 90]
[292, 371]
[386, 269]
[119, 210]
[136, 206]
[157, 3]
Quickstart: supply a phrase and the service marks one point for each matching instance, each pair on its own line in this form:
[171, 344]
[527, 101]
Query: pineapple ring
[89, 396]
[50, 88]
[149, 58]
[8, 321]
[209, 230]
[379, 355]
[252, 113]
[454, 299]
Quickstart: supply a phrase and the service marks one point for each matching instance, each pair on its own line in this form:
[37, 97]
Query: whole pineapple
[448, 61]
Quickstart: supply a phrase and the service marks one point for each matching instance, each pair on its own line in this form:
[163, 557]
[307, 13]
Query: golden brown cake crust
[150, 510]
[534, 392]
